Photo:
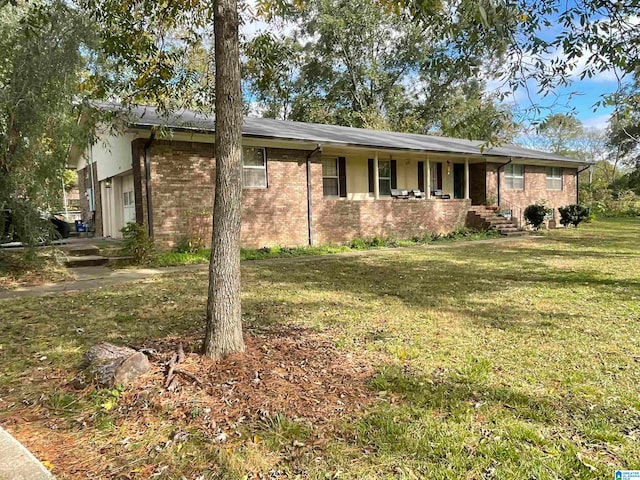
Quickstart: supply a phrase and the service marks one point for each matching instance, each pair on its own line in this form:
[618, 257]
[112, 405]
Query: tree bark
[224, 322]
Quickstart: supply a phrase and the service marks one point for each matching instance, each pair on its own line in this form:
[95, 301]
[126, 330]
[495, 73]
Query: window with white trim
[384, 177]
[330, 177]
[254, 167]
[554, 178]
[514, 177]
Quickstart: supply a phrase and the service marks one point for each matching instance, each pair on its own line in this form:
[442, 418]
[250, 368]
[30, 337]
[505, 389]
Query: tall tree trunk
[224, 322]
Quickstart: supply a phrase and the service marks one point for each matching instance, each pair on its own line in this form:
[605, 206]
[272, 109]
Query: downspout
[578, 183]
[309, 209]
[92, 200]
[147, 182]
[498, 173]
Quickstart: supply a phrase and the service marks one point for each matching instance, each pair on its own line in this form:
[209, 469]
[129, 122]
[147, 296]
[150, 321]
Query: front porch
[375, 175]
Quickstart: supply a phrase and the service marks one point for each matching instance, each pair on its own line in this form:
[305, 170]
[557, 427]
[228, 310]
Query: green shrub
[535, 215]
[187, 244]
[136, 242]
[376, 242]
[573, 215]
[358, 244]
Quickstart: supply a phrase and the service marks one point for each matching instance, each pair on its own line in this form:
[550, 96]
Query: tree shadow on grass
[469, 283]
[459, 419]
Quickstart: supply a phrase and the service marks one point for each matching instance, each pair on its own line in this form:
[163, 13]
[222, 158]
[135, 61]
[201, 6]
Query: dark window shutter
[342, 176]
[371, 176]
[394, 175]
[439, 176]
[421, 176]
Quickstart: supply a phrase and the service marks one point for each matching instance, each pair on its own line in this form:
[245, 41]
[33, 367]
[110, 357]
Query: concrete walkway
[88, 278]
[97, 277]
[17, 463]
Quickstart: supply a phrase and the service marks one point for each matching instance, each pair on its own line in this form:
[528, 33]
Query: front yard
[469, 360]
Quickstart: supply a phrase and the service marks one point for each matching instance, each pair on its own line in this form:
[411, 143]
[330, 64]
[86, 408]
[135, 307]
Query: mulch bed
[295, 372]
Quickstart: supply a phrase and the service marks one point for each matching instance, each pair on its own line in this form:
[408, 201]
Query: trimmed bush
[535, 215]
[573, 215]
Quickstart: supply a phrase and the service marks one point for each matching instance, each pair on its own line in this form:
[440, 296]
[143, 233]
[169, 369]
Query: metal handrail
[510, 208]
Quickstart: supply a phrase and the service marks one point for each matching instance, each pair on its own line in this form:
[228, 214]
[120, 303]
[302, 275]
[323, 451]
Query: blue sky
[579, 98]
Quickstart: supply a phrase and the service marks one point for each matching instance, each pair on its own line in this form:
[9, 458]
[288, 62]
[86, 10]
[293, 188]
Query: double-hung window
[330, 177]
[554, 178]
[514, 176]
[384, 177]
[254, 167]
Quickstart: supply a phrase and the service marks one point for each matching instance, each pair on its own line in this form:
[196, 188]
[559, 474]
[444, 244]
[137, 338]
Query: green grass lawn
[508, 360]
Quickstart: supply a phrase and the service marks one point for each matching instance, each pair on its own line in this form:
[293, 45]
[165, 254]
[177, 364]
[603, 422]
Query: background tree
[560, 133]
[624, 134]
[40, 75]
[357, 64]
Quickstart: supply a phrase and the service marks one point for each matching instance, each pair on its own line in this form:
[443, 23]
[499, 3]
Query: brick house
[307, 183]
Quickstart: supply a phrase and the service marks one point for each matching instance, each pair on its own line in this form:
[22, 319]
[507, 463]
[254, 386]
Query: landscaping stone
[110, 365]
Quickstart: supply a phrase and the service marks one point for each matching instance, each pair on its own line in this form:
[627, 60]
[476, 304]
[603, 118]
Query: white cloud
[598, 122]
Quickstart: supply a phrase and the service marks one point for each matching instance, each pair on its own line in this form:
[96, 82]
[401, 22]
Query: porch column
[427, 185]
[466, 179]
[376, 177]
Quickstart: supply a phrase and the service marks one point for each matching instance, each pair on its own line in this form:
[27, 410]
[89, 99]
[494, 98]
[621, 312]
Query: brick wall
[535, 188]
[182, 187]
[277, 215]
[182, 196]
[342, 220]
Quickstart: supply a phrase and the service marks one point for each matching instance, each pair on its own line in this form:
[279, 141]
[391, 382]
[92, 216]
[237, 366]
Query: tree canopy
[357, 64]
[41, 63]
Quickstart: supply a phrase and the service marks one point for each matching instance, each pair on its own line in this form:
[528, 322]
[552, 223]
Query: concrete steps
[86, 261]
[489, 219]
[84, 256]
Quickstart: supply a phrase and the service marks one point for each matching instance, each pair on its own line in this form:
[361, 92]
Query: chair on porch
[417, 193]
[401, 194]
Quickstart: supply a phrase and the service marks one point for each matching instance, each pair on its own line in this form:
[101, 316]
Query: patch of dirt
[295, 372]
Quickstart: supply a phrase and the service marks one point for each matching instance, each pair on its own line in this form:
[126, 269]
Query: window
[254, 167]
[384, 177]
[330, 178]
[514, 177]
[554, 178]
[128, 199]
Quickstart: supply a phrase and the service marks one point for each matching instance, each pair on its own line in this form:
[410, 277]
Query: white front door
[128, 200]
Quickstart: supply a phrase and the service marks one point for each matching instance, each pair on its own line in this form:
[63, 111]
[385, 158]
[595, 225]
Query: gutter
[578, 183]
[147, 182]
[498, 173]
[309, 209]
